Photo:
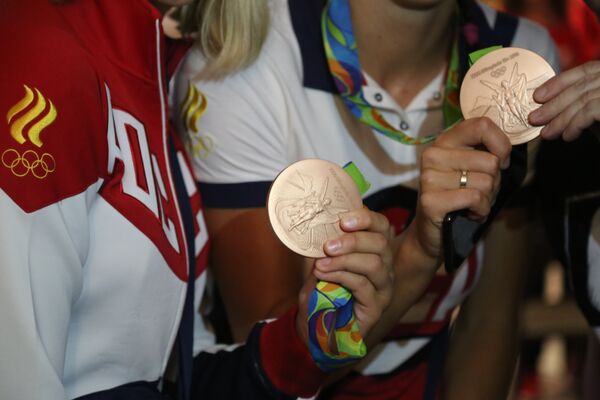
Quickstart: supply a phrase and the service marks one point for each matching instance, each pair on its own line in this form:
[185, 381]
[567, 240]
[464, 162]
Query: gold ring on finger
[463, 179]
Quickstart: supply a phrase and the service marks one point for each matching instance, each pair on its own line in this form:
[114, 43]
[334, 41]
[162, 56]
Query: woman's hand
[571, 103]
[361, 261]
[460, 170]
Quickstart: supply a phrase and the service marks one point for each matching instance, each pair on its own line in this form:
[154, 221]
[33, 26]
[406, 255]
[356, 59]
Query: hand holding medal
[499, 85]
[313, 204]
[571, 103]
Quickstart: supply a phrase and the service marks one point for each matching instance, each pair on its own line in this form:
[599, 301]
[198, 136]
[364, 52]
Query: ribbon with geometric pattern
[334, 339]
[344, 65]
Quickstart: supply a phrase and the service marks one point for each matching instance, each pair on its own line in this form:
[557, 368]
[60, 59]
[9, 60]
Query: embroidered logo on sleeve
[26, 120]
[192, 108]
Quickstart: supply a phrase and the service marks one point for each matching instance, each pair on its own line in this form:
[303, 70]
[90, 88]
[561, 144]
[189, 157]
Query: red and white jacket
[93, 251]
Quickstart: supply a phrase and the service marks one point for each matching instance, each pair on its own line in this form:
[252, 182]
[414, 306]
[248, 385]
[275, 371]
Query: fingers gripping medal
[304, 204]
[500, 86]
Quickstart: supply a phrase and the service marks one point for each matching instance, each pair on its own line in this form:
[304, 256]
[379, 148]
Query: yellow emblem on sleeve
[26, 120]
[192, 108]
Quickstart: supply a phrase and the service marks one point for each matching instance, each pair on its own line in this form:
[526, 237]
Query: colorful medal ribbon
[334, 339]
[344, 65]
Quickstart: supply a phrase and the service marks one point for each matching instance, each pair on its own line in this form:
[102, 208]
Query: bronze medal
[305, 201]
[500, 86]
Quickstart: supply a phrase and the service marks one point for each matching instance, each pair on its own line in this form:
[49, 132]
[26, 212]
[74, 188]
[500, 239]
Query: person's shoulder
[276, 70]
[532, 36]
[55, 113]
[280, 18]
[524, 27]
[48, 55]
[283, 44]
[38, 33]
[279, 52]
[528, 35]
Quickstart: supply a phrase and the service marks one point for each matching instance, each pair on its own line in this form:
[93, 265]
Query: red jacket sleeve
[53, 130]
[273, 364]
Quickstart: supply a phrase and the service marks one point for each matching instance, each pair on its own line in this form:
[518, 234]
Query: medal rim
[276, 189]
[466, 91]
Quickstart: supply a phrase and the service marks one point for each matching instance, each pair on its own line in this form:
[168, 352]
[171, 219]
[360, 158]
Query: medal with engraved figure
[305, 201]
[500, 86]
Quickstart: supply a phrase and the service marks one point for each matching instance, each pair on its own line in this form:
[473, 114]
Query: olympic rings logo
[202, 146]
[28, 162]
[497, 73]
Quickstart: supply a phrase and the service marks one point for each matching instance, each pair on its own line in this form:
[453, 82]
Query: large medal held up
[305, 201]
[304, 204]
[500, 86]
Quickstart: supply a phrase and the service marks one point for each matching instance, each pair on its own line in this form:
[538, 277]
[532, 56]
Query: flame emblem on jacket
[193, 107]
[26, 120]
[36, 104]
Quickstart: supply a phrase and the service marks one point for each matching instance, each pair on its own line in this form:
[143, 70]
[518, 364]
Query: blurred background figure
[571, 23]
[559, 357]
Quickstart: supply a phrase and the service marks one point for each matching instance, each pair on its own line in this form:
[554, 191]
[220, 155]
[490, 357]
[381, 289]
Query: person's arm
[414, 264]
[257, 276]
[41, 262]
[420, 253]
[48, 177]
[275, 361]
[484, 340]
[261, 278]
[483, 346]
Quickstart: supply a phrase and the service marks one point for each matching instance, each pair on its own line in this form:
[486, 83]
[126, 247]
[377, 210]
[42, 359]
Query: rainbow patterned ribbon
[344, 65]
[333, 332]
[334, 337]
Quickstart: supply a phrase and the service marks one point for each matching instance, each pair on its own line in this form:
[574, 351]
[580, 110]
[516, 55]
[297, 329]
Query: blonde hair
[230, 33]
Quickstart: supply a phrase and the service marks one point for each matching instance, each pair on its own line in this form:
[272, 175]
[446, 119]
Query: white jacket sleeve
[41, 258]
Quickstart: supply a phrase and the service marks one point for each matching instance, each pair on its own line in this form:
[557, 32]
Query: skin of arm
[485, 334]
[360, 260]
[261, 278]
[484, 339]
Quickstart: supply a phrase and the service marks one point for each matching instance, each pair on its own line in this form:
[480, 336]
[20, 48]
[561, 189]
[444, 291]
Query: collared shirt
[285, 107]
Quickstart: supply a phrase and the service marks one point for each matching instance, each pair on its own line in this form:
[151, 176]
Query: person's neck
[403, 44]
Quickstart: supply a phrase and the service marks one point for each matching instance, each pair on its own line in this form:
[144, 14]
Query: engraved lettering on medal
[341, 186]
[497, 73]
[496, 68]
[338, 195]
